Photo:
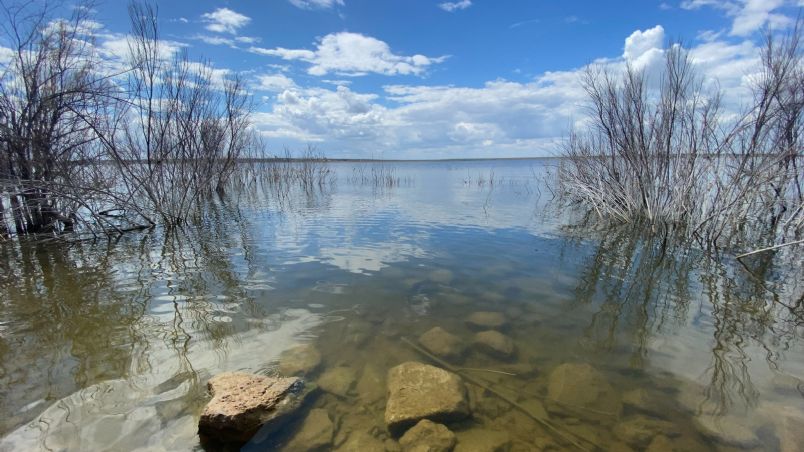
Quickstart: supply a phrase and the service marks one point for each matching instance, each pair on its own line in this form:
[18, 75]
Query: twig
[487, 370]
[762, 250]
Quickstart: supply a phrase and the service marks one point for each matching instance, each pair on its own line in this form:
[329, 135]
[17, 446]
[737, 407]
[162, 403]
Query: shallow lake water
[108, 346]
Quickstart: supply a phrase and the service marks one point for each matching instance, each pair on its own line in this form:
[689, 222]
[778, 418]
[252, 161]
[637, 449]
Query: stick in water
[762, 250]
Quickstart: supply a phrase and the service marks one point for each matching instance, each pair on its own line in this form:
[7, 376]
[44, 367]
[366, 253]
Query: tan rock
[729, 429]
[427, 436]
[495, 344]
[486, 320]
[242, 403]
[481, 440]
[338, 380]
[315, 433]
[300, 360]
[638, 431]
[419, 391]
[442, 344]
[581, 390]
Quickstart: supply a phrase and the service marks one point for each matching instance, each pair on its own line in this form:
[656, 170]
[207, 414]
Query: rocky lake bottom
[435, 315]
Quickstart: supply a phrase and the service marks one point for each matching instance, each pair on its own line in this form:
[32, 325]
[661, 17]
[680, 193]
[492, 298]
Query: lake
[109, 345]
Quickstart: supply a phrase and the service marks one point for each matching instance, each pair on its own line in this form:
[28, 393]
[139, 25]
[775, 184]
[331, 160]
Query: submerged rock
[730, 430]
[481, 440]
[300, 360]
[486, 320]
[419, 391]
[243, 403]
[427, 436]
[441, 276]
[495, 344]
[581, 390]
[789, 426]
[642, 400]
[371, 385]
[662, 443]
[363, 442]
[338, 381]
[315, 433]
[442, 344]
[638, 431]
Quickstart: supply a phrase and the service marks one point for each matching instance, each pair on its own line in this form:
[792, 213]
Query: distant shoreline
[346, 160]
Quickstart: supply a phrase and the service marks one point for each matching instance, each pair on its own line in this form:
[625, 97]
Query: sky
[428, 79]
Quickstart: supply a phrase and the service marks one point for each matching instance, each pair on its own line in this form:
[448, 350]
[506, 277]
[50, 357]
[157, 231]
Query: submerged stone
[300, 360]
[363, 442]
[482, 440]
[661, 443]
[638, 431]
[427, 436]
[315, 433]
[338, 381]
[495, 344]
[486, 320]
[244, 403]
[419, 391]
[442, 344]
[729, 430]
[441, 276]
[371, 385]
[535, 407]
[581, 390]
[641, 400]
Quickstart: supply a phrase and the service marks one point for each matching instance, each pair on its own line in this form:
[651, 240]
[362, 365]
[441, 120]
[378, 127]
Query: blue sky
[429, 79]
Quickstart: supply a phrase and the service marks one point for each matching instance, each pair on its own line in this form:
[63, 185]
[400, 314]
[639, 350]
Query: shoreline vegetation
[662, 151]
[101, 147]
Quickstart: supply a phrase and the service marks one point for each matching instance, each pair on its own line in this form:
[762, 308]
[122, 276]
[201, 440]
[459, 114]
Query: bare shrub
[50, 84]
[672, 159]
[182, 128]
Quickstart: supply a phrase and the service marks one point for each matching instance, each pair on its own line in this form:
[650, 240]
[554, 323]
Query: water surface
[108, 345]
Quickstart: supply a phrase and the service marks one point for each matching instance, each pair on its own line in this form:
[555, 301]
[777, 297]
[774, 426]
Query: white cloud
[454, 6]
[316, 4]
[224, 20]
[644, 48]
[353, 54]
[274, 82]
[498, 118]
[748, 16]
[6, 55]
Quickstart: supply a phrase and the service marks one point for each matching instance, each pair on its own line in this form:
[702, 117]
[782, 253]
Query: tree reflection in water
[643, 285]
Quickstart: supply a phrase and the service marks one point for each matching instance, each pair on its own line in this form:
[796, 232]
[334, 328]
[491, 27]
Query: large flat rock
[419, 391]
[243, 403]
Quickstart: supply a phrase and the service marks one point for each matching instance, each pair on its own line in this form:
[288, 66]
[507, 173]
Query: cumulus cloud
[748, 16]
[499, 118]
[316, 4]
[454, 6]
[274, 82]
[644, 48]
[353, 54]
[224, 20]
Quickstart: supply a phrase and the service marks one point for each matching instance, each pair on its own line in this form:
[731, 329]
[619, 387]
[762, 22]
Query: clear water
[108, 346]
